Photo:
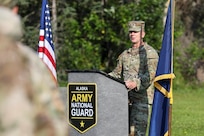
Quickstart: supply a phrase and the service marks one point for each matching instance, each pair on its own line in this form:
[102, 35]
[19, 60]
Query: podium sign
[82, 106]
[96, 104]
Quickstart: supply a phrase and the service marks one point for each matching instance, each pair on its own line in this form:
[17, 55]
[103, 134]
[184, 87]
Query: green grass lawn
[188, 113]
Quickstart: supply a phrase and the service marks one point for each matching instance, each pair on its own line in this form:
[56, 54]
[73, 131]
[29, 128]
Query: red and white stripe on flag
[46, 46]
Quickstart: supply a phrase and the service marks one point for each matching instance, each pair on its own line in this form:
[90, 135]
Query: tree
[191, 58]
[92, 33]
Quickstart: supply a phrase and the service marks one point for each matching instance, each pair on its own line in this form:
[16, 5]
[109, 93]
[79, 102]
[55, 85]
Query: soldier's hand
[130, 84]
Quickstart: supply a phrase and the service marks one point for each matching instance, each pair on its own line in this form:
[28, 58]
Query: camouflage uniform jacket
[30, 102]
[138, 65]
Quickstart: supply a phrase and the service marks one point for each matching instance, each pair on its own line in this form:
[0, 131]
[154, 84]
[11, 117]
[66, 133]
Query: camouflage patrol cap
[8, 3]
[136, 25]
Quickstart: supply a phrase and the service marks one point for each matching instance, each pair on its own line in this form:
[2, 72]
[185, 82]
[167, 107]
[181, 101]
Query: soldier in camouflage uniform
[137, 67]
[30, 103]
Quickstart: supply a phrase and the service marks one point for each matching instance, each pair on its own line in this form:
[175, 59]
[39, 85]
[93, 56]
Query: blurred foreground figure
[24, 110]
[30, 103]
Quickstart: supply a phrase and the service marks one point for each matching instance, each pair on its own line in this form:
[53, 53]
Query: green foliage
[189, 45]
[30, 13]
[188, 64]
[152, 12]
[116, 18]
[92, 33]
[196, 51]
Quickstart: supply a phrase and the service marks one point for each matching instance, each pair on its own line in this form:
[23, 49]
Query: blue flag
[159, 123]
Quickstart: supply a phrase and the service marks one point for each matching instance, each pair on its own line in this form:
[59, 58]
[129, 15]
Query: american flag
[46, 46]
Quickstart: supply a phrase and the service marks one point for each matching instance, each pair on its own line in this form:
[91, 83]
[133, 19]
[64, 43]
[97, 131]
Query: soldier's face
[136, 36]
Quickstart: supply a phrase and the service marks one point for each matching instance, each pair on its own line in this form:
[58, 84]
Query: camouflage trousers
[138, 119]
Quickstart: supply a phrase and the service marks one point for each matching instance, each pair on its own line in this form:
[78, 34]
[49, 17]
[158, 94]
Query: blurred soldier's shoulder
[14, 90]
[27, 104]
[26, 108]
[10, 56]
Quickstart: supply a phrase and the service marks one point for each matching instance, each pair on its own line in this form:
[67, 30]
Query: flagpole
[171, 92]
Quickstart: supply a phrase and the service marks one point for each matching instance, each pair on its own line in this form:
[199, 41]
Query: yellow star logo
[82, 123]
